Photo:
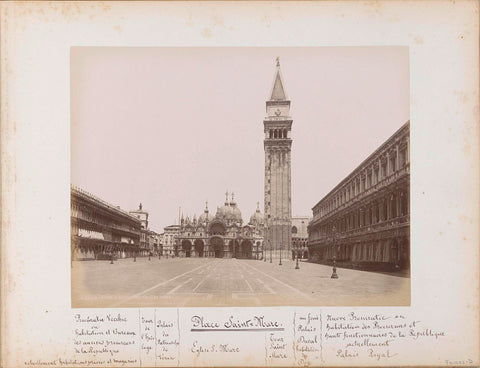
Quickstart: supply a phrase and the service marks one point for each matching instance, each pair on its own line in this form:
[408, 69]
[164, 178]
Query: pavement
[209, 282]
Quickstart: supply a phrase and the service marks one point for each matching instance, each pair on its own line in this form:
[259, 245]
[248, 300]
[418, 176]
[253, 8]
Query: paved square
[209, 282]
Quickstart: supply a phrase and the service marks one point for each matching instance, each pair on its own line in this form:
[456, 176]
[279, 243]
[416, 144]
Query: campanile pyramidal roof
[278, 92]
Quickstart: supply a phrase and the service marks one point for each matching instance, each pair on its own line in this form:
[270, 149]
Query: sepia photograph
[240, 177]
[215, 184]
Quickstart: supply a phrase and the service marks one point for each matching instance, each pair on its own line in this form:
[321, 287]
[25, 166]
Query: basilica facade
[222, 235]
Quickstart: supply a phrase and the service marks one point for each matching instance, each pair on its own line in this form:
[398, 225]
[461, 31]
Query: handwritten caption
[375, 336]
[303, 337]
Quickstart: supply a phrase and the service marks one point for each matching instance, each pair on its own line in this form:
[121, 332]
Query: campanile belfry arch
[277, 145]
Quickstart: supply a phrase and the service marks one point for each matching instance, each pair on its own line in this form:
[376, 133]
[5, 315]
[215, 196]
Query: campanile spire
[278, 91]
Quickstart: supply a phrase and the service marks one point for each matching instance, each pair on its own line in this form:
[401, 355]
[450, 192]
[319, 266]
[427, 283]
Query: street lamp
[297, 267]
[334, 249]
[264, 249]
[269, 241]
[281, 243]
[397, 250]
[271, 249]
[281, 246]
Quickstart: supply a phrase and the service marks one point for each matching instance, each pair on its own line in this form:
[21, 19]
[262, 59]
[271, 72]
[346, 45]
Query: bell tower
[277, 145]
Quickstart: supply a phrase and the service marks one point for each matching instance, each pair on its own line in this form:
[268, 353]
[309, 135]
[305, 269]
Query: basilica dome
[236, 213]
[224, 212]
[229, 211]
[257, 217]
[204, 217]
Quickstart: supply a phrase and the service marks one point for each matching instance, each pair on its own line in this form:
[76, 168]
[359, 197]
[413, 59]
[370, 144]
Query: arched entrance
[234, 245]
[187, 247]
[231, 248]
[199, 245]
[216, 244]
[245, 249]
[258, 254]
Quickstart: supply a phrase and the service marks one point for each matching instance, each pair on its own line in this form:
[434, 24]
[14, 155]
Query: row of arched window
[278, 133]
[375, 212]
[365, 180]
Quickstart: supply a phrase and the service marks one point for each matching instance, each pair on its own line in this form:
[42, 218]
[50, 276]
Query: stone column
[398, 200]
[408, 151]
[397, 158]
[408, 200]
[388, 164]
[379, 176]
[390, 215]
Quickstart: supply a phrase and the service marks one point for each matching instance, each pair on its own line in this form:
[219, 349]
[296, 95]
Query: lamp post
[281, 243]
[269, 241]
[271, 248]
[297, 267]
[334, 249]
[264, 249]
[280, 246]
[264, 253]
[397, 250]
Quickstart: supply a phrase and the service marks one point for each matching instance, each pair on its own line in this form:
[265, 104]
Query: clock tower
[277, 145]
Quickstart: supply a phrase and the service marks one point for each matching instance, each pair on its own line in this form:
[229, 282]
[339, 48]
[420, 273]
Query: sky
[174, 127]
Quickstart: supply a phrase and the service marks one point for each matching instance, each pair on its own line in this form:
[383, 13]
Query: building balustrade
[98, 201]
[103, 225]
[124, 228]
[106, 241]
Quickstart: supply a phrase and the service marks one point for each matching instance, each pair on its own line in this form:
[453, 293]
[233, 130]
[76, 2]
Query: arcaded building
[300, 236]
[101, 230]
[365, 220]
[222, 235]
